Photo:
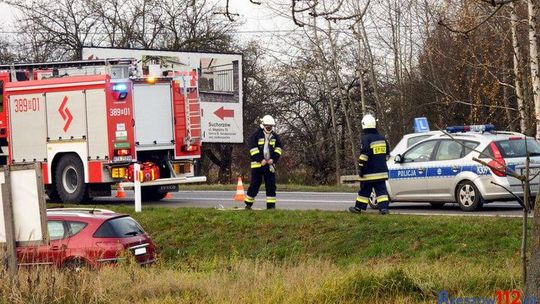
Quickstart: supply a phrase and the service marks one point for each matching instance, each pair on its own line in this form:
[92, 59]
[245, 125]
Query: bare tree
[320, 56]
[514, 22]
[532, 286]
[66, 24]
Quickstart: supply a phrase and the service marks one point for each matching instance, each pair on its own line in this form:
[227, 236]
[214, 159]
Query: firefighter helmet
[368, 121]
[268, 120]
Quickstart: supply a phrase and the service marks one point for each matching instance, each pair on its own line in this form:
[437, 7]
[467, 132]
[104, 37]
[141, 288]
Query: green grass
[280, 187]
[187, 234]
[281, 256]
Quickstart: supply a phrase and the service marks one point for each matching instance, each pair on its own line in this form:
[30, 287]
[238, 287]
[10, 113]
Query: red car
[89, 238]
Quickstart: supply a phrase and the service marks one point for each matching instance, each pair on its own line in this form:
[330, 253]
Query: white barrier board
[28, 203]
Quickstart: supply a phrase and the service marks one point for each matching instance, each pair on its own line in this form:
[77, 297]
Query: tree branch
[466, 32]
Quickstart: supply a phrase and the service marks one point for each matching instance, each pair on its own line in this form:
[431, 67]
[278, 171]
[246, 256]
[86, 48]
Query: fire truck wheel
[151, 194]
[69, 179]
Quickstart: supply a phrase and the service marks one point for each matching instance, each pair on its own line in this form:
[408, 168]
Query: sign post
[137, 186]
[11, 250]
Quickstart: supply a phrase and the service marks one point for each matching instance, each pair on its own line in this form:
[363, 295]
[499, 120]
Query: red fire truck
[88, 122]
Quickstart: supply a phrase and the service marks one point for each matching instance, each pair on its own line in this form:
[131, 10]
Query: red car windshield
[121, 227]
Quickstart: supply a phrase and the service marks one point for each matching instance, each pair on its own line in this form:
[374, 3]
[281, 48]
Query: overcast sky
[258, 22]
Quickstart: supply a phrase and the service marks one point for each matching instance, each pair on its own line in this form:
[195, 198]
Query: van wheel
[69, 179]
[151, 193]
[468, 197]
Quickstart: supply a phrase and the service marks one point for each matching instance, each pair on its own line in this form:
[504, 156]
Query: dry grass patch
[248, 281]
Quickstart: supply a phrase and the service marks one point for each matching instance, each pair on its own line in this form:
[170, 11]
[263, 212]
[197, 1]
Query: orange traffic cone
[120, 191]
[168, 195]
[240, 195]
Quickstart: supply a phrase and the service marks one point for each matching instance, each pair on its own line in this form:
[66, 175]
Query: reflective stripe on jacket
[256, 147]
[374, 150]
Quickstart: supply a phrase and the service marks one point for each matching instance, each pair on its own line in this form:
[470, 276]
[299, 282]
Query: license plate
[122, 158]
[168, 188]
[139, 251]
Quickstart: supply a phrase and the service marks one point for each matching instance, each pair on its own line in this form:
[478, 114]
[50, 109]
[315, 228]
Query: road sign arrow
[222, 113]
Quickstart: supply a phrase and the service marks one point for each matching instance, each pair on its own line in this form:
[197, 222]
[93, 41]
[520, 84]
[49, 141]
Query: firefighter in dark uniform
[265, 149]
[373, 170]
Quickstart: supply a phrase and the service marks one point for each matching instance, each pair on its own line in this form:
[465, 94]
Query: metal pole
[137, 186]
[7, 202]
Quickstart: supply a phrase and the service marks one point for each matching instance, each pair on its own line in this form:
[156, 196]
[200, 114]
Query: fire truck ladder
[187, 90]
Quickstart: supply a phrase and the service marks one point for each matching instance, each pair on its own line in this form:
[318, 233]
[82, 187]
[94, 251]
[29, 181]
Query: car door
[450, 159]
[45, 254]
[445, 166]
[407, 178]
[52, 253]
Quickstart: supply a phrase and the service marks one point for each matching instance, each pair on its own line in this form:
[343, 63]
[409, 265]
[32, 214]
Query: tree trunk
[533, 57]
[532, 286]
[224, 162]
[321, 59]
[517, 67]
[372, 76]
[362, 92]
[343, 100]
[398, 61]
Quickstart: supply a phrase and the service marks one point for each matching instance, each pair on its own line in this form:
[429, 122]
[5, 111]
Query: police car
[440, 168]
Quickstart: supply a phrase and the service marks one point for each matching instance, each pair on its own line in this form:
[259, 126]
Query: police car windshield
[413, 140]
[516, 148]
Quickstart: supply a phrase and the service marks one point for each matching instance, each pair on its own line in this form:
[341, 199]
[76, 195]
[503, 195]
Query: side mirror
[398, 158]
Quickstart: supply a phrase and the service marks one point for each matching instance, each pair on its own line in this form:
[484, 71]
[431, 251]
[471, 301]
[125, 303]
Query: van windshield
[516, 147]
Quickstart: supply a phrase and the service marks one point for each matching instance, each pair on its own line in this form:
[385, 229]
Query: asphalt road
[330, 201]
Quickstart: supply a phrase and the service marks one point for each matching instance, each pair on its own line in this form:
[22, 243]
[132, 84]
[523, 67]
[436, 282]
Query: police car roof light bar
[471, 128]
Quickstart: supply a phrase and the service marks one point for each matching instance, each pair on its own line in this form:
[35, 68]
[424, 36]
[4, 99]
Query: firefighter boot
[383, 208]
[358, 207]
[249, 202]
[354, 209]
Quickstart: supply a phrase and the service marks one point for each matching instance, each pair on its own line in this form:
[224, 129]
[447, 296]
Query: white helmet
[268, 120]
[368, 121]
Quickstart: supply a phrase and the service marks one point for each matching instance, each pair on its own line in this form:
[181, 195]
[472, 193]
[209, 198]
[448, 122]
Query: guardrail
[349, 180]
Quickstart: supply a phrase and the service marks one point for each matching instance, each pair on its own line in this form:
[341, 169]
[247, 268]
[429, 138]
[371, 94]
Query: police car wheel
[373, 201]
[468, 196]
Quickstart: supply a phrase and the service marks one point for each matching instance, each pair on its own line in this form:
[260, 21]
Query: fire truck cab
[88, 122]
